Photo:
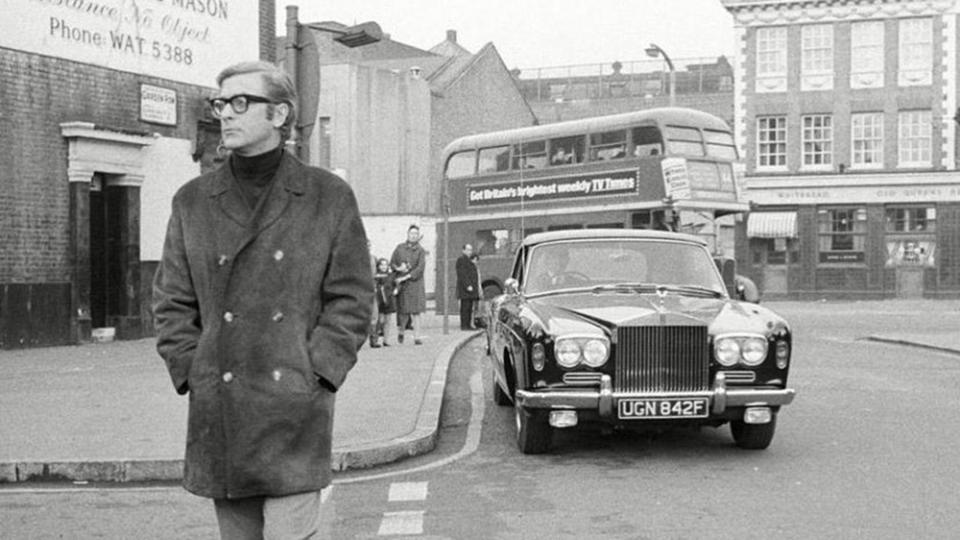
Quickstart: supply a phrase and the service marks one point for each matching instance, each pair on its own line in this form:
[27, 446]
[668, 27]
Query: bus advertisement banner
[676, 179]
[543, 189]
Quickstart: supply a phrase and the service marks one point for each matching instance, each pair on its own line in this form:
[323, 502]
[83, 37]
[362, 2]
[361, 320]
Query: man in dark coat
[409, 261]
[468, 276]
[261, 300]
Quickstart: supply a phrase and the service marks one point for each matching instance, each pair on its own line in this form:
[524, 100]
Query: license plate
[643, 408]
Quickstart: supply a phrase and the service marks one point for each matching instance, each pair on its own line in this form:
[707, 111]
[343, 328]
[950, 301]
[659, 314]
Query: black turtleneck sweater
[255, 174]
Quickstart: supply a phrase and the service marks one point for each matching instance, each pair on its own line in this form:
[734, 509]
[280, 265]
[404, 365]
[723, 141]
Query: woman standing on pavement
[409, 260]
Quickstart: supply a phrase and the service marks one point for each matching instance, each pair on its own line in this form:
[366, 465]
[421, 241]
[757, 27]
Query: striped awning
[772, 225]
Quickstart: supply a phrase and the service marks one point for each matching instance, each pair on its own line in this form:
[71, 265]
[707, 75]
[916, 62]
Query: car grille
[662, 359]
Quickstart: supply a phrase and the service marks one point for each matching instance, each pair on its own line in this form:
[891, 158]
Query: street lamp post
[654, 51]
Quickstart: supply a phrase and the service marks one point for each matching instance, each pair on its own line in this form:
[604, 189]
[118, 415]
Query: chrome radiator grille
[662, 359]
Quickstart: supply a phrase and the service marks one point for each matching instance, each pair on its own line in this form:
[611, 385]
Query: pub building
[846, 114]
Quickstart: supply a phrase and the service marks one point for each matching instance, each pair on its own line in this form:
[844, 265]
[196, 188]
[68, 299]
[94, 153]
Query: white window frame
[915, 52]
[866, 140]
[816, 57]
[816, 136]
[779, 151]
[866, 54]
[914, 142]
[771, 58]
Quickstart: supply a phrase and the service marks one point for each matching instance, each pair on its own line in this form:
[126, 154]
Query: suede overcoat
[259, 318]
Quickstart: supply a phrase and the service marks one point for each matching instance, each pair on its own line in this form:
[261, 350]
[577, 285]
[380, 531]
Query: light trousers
[292, 517]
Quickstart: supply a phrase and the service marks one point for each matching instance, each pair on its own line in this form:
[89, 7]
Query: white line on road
[407, 491]
[401, 523]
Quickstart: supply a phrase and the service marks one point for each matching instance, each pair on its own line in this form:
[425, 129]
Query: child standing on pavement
[386, 292]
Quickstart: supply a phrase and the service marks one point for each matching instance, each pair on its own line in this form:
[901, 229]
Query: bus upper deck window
[647, 141]
[495, 159]
[531, 155]
[685, 140]
[720, 144]
[609, 145]
[566, 150]
[462, 164]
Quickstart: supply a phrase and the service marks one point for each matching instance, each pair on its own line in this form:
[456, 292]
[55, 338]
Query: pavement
[107, 412]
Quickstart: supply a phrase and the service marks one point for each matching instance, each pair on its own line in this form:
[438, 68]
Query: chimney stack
[452, 36]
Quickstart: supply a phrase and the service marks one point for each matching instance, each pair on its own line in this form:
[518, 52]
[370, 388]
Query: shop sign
[179, 40]
[578, 187]
[841, 257]
[158, 105]
[910, 252]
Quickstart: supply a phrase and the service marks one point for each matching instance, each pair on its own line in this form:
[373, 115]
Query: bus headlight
[567, 352]
[595, 353]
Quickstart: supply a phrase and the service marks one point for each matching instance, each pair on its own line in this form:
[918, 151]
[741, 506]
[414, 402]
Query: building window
[867, 137]
[911, 220]
[866, 54]
[772, 142]
[914, 141]
[771, 59]
[818, 141]
[816, 57]
[842, 233]
[916, 52]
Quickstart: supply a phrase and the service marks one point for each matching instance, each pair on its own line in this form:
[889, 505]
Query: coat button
[278, 255]
[277, 317]
[222, 260]
[228, 316]
[227, 376]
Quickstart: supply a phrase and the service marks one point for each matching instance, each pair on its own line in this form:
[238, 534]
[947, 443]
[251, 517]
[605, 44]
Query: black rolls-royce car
[632, 328]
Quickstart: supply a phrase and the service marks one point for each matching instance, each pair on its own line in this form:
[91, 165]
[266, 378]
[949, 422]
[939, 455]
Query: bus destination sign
[543, 189]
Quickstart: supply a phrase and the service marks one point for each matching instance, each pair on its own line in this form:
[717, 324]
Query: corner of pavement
[107, 412]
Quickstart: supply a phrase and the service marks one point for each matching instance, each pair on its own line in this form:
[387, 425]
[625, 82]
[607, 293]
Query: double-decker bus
[668, 168]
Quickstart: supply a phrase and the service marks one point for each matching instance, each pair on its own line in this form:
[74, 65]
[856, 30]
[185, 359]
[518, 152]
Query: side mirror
[512, 286]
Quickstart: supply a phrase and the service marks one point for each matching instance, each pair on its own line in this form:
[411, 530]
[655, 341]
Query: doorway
[106, 278]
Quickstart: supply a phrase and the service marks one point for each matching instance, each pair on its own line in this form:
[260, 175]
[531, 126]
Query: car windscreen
[591, 263]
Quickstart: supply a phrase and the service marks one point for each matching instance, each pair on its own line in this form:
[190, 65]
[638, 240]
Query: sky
[541, 33]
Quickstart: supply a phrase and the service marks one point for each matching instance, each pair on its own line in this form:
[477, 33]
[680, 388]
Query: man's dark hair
[412, 227]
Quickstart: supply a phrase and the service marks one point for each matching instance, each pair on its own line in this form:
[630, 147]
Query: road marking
[401, 523]
[407, 491]
[477, 404]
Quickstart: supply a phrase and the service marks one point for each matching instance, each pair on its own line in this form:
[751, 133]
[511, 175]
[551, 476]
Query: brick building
[847, 114]
[103, 114]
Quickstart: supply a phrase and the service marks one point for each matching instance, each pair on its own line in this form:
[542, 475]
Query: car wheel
[534, 433]
[753, 436]
[499, 396]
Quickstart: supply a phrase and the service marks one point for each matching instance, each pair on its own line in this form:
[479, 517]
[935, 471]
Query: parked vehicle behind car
[632, 328]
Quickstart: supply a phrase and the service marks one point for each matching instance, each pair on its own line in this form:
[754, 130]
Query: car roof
[606, 234]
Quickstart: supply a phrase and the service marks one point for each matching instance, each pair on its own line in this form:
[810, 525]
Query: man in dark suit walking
[468, 285]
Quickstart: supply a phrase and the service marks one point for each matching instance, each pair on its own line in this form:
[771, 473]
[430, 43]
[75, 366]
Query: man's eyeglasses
[240, 103]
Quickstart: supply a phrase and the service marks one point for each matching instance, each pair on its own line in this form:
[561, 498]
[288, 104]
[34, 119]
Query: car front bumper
[603, 399]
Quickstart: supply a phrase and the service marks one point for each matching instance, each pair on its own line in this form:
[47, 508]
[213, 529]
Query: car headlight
[753, 351]
[595, 352]
[571, 351]
[567, 352]
[747, 350]
[727, 351]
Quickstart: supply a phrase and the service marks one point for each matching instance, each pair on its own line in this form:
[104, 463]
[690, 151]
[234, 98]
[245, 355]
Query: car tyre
[534, 433]
[499, 396]
[753, 436]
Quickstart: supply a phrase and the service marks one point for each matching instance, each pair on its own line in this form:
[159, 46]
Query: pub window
[911, 219]
[531, 155]
[842, 233]
[914, 143]
[772, 142]
[866, 54]
[566, 150]
[494, 159]
[647, 141]
[915, 52]
[867, 137]
[817, 138]
[817, 49]
[461, 164]
[685, 141]
[609, 145]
